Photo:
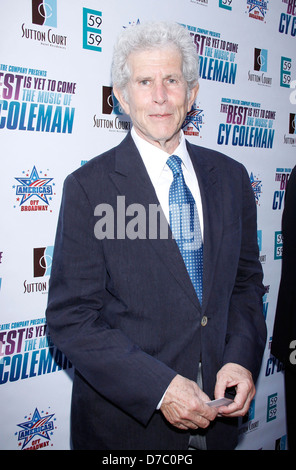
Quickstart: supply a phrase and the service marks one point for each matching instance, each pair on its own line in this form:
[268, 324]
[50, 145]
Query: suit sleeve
[80, 301]
[246, 329]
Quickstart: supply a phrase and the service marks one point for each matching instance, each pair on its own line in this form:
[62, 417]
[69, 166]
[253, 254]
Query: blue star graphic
[256, 185]
[261, 5]
[193, 117]
[37, 426]
[34, 186]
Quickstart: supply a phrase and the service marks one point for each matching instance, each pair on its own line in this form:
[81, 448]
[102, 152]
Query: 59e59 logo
[92, 34]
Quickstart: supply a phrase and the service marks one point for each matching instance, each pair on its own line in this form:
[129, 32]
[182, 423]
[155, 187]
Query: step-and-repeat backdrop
[57, 112]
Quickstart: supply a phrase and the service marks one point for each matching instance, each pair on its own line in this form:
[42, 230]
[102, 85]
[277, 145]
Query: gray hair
[149, 36]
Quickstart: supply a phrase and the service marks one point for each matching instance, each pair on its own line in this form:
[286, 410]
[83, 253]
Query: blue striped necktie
[185, 224]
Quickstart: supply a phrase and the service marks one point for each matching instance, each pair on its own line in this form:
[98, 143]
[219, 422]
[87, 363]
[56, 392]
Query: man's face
[157, 96]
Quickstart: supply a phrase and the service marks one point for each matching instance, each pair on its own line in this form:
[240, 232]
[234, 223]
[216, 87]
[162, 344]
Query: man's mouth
[160, 116]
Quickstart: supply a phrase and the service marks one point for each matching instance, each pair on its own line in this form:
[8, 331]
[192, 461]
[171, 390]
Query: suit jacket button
[204, 321]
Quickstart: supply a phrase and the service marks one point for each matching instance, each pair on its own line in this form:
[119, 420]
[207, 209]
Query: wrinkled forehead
[166, 58]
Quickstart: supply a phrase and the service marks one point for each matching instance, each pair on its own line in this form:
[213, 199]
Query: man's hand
[234, 375]
[184, 405]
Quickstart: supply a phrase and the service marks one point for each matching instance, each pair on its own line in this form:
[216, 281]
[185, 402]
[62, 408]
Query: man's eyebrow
[140, 78]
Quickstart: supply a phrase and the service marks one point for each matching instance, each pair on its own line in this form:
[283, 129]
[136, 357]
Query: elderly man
[158, 326]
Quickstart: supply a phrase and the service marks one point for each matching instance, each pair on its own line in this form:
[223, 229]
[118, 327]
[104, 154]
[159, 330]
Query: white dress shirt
[162, 176]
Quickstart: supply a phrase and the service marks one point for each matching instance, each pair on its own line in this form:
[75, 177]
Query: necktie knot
[175, 164]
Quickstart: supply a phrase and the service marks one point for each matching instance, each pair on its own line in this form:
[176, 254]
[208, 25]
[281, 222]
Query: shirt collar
[155, 159]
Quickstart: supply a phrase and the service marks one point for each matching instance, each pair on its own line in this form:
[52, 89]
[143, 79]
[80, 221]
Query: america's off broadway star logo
[36, 430]
[257, 187]
[257, 9]
[35, 191]
[193, 121]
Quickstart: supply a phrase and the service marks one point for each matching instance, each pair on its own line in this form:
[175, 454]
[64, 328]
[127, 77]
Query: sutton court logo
[44, 12]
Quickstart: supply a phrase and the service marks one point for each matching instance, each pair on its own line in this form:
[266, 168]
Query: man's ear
[192, 96]
[122, 101]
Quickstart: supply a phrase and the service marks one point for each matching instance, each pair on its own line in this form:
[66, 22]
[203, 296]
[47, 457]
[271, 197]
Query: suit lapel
[211, 195]
[132, 181]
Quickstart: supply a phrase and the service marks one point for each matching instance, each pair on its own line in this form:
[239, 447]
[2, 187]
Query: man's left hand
[234, 375]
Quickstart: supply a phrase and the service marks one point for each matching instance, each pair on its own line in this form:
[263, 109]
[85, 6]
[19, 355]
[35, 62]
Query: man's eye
[144, 82]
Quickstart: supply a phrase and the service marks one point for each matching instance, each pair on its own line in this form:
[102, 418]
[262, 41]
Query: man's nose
[159, 93]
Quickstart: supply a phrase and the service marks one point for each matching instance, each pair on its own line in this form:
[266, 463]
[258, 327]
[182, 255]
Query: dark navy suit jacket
[126, 314]
[285, 320]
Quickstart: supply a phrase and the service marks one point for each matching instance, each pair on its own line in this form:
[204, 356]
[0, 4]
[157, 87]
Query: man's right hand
[184, 405]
